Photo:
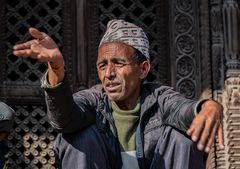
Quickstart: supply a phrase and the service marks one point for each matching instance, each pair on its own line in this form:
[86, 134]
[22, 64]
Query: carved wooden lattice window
[20, 15]
[30, 141]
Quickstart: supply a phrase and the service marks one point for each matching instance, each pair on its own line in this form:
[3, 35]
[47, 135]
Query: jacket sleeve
[176, 110]
[68, 113]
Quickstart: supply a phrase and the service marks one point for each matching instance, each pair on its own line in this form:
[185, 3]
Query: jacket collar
[148, 98]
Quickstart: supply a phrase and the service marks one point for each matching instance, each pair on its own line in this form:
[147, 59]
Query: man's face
[119, 74]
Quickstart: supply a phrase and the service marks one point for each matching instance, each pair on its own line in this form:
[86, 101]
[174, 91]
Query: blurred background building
[194, 48]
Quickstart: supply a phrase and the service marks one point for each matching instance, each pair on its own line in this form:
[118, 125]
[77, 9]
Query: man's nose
[110, 71]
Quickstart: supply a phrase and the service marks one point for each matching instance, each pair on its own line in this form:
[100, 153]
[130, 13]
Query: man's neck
[127, 105]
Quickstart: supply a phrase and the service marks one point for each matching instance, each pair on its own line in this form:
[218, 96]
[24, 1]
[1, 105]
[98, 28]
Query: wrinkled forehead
[115, 49]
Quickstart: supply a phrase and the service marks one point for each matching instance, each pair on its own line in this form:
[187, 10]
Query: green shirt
[126, 122]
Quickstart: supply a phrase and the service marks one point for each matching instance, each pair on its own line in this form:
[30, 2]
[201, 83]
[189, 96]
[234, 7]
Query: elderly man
[6, 122]
[123, 122]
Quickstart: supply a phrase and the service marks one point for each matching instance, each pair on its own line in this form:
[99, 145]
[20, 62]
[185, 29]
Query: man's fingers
[220, 136]
[30, 53]
[27, 49]
[190, 132]
[25, 53]
[196, 128]
[206, 133]
[211, 139]
[25, 45]
[36, 33]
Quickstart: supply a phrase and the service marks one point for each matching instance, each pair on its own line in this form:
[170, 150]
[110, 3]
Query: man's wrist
[56, 66]
[56, 72]
[213, 103]
[45, 84]
[206, 102]
[198, 106]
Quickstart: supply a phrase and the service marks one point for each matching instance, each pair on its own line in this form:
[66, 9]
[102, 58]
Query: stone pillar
[231, 92]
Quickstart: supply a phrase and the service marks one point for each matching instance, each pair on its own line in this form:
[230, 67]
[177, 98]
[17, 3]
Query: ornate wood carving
[216, 30]
[205, 49]
[93, 37]
[217, 44]
[80, 35]
[69, 40]
[225, 56]
[231, 102]
[231, 16]
[185, 48]
[231, 92]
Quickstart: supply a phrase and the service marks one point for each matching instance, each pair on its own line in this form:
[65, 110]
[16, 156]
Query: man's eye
[102, 66]
[119, 64]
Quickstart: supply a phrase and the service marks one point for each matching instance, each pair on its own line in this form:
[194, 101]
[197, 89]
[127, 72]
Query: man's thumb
[36, 33]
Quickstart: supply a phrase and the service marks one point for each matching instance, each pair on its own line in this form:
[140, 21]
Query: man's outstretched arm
[63, 112]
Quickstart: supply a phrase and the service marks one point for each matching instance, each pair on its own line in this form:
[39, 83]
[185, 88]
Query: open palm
[42, 48]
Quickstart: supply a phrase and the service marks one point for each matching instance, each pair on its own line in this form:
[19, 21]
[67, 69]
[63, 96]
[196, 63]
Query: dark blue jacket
[160, 105]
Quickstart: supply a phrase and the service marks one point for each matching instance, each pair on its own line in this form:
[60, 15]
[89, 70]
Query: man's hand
[44, 49]
[206, 125]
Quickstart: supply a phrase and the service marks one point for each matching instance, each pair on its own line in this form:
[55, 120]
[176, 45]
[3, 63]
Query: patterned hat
[6, 117]
[128, 33]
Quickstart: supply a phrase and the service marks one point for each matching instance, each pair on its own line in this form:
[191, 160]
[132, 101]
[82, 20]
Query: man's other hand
[206, 125]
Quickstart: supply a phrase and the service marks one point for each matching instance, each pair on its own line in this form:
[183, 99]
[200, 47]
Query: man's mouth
[112, 87]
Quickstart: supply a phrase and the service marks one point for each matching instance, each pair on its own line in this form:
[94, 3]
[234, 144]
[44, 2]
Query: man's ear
[145, 68]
